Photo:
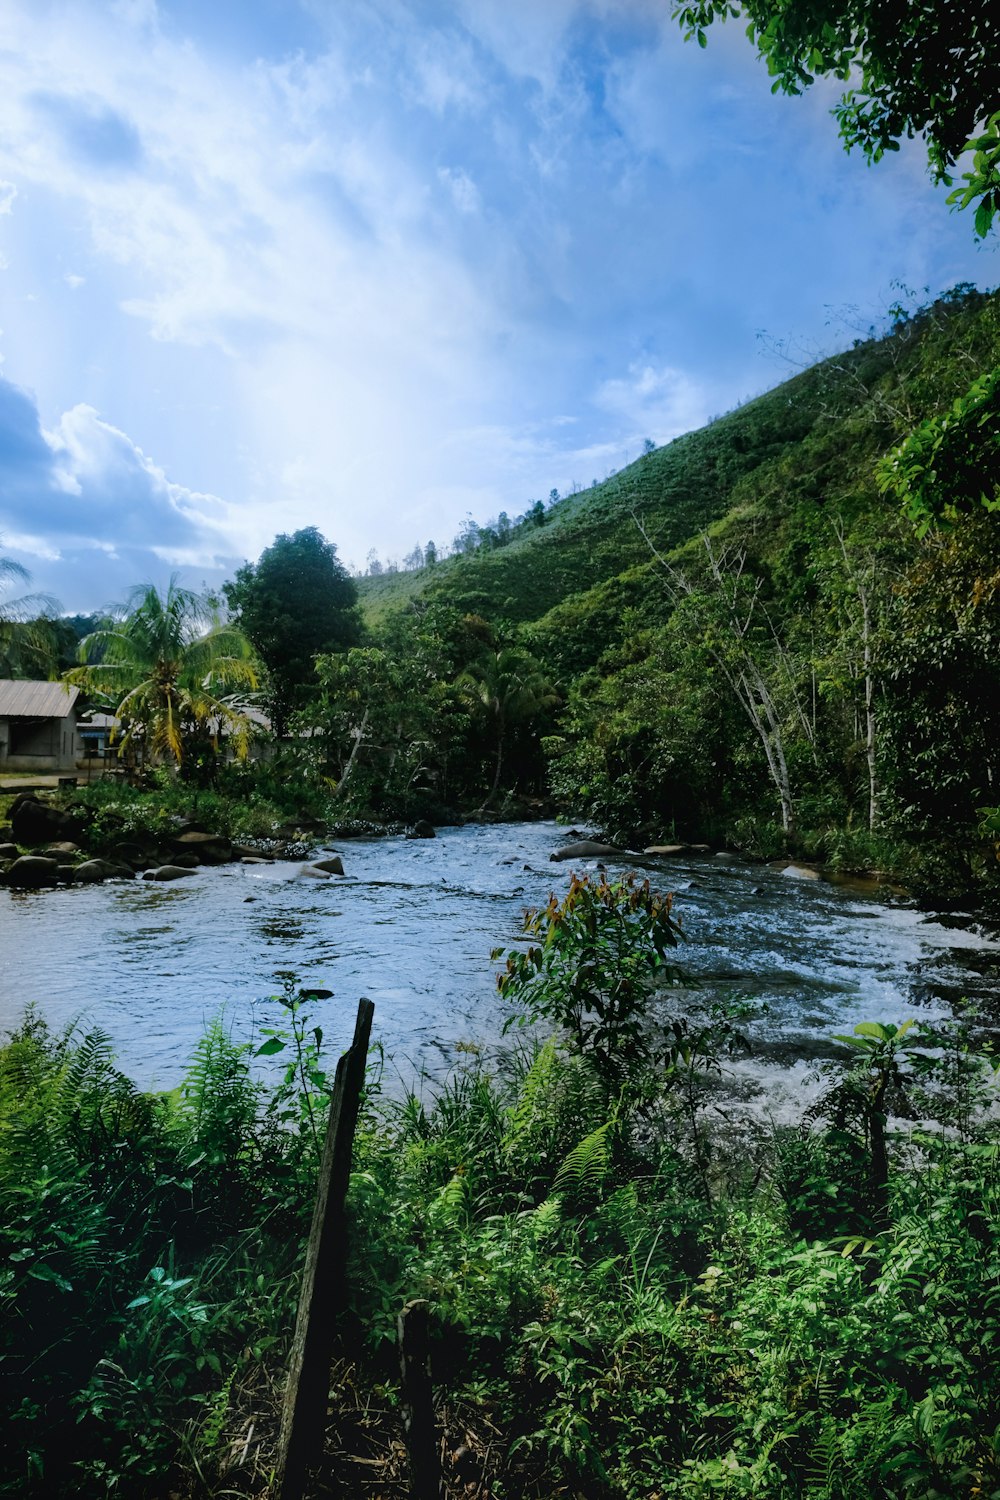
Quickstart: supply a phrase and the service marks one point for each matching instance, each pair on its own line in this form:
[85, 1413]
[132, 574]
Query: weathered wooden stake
[418, 1403]
[324, 1292]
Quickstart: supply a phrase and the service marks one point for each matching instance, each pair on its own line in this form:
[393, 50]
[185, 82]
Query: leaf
[269, 1048]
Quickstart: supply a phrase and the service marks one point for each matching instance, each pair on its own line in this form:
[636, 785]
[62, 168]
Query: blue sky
[374, 265]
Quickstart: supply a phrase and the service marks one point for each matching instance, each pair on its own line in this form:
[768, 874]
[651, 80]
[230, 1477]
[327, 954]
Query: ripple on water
[413, 927]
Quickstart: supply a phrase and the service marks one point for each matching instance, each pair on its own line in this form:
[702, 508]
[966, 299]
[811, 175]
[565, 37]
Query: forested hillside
[741, 634]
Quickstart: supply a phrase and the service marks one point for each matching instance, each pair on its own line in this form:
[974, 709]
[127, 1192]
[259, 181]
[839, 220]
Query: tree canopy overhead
[297, 600]
[914, 67]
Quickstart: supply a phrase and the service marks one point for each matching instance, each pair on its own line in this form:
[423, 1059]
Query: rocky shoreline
[45, 846]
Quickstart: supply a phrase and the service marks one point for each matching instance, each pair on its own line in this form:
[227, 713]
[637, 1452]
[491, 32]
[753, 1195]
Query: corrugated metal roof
[36, 700]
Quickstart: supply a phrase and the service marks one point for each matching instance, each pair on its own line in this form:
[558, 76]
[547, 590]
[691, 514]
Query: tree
[26, 640]
[950, 464]
[508, 685]
[296, 601]
[163, 660]
[728, 610]
[916, 67]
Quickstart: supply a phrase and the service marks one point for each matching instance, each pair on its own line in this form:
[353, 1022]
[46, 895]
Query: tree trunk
[359, 735]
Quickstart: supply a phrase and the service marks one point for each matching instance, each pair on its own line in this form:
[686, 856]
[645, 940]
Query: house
[38, 728]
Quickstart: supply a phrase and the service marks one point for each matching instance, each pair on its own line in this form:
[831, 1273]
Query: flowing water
[412, 926]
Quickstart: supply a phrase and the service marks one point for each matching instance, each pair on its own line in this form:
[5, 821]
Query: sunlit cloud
[369, 266]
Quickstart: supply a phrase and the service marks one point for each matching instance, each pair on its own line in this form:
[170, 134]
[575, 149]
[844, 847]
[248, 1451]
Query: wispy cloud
[377, 251]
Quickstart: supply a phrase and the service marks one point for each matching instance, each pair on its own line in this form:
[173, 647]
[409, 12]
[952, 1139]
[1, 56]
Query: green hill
[829, 421]
[741, 623]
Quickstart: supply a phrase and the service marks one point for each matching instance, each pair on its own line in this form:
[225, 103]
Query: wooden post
[418, 1403]
[323, 1294]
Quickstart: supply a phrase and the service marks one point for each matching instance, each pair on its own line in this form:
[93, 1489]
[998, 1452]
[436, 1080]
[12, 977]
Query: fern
[536, 1084]
[583, 1171]
[823, 1466]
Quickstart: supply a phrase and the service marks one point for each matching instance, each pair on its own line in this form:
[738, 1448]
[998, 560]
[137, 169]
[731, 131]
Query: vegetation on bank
[636, 1290]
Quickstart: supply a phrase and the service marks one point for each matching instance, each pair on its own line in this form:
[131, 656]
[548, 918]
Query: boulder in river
[132, 854]
[801, 872]
[586, 849]
[332, 866]
[666, 849]
[167, 872]
[9, 851]
[250, 851]
[33, 822]
[315, 872]
[208, 848]
[62, 846]
[91, 872]
[32, 871]
[421, 829]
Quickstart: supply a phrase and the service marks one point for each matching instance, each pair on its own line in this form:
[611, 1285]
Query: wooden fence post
[323, 1294]
[418, 1403]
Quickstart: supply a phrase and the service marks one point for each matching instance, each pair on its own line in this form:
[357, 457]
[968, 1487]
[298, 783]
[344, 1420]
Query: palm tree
[26, 643]
[164, 660]
[509, 685]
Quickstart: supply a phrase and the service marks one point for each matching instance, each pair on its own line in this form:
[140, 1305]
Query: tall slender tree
[27, 645]
[165, 661]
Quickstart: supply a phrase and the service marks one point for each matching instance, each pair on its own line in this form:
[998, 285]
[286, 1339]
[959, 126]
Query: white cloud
[446, 75]
[73, 281]
[464, 193]
[656, 401]
[291, 243]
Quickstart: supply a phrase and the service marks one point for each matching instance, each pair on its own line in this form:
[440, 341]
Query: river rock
[8, 851]
[250, 851]
[586, 849]
[665, 849]
[314, 872]
[255, 859]
[294, 828]
[131, 854]
[801, 872]
[167, 872]
[208, 848]
[64, 846]
[32, 871]
[91, 872]
[332, 866]
[421, 829]
[33, 822]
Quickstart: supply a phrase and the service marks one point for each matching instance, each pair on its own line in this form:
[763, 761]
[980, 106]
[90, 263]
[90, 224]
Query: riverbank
[621, 1303]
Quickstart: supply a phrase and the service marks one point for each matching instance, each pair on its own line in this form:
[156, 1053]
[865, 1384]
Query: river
[412, 926]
